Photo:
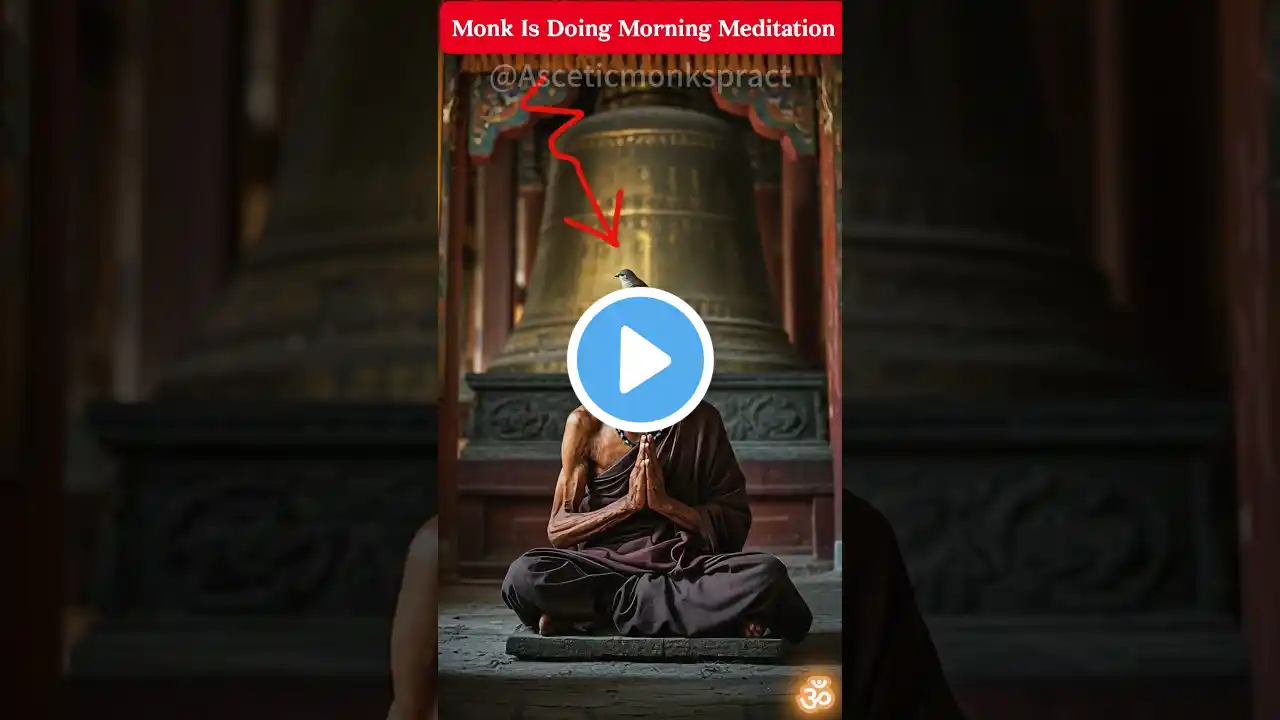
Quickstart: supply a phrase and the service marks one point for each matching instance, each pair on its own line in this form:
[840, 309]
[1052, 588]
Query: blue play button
[640, 359]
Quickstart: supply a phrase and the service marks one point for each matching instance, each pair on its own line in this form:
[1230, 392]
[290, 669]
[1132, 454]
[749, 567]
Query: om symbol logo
[817, 694]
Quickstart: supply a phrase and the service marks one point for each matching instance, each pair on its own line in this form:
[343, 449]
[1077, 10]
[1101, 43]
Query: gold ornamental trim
[797, 65]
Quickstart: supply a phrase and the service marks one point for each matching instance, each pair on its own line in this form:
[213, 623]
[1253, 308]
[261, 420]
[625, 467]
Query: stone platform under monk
[526, 644]
[478, 676]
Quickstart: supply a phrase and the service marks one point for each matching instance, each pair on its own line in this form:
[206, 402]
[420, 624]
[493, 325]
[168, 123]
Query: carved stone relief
[535, 408]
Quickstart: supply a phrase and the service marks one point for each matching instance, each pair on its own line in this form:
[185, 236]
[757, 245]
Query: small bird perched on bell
[629, 279]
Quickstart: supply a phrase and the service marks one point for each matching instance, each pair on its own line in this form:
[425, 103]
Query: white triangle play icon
[639, 361]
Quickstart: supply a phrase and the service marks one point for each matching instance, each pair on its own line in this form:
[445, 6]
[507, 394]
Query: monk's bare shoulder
[579, 429]
[581, 424]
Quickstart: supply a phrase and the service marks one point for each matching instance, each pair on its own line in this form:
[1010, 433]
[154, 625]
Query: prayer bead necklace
[627, 442]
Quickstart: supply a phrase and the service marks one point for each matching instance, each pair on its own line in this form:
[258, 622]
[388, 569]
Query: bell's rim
[625, 118]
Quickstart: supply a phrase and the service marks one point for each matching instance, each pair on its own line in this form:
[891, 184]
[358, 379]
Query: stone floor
[479, 679]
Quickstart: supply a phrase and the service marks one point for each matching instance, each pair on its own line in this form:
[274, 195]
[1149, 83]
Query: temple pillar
[37, 183]
[532, 190]
[100, 192]
[766, 166]
[495, 239]
[454, 227]
[1174, 254]
[191, 115]
[1249, 56]
[1109, 151]
[830, 171]
[801, 274]
[293, 27]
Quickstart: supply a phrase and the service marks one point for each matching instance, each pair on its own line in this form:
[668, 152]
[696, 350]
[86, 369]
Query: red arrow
[608, 232]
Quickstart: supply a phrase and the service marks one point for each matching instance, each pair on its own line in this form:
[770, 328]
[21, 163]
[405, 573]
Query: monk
[646, 537]
[413, 631]
[633, 513]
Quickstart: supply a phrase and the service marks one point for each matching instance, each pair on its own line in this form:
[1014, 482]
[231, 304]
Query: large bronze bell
[687, 227]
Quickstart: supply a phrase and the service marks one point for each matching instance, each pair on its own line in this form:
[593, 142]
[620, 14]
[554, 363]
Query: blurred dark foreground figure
[891, 668]
[413, 632]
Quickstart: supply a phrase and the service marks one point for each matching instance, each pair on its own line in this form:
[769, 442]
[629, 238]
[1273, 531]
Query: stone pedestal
[256, 542]
[1081, 545]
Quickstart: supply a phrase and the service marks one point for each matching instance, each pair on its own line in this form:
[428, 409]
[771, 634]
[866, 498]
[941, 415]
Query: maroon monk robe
[646, 576]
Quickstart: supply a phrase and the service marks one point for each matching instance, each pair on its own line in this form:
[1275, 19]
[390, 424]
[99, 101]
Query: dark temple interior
[279, 282]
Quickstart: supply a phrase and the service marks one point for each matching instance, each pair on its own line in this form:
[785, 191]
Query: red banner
[658, 28]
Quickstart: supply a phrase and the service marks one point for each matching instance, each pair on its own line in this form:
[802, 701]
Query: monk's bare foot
[754, 629]
[547, 626]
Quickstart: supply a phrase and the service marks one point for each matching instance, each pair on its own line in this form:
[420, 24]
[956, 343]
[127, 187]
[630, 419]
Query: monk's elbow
[423, 554]
[559, 537]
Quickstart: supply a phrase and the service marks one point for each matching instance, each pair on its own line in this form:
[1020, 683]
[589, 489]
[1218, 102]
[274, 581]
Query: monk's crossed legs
[736, 594]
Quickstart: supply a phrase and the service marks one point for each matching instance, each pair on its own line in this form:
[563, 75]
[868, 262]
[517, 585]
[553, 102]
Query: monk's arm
[413, 631]
[679, 513]
[567, 528]
[722, 521]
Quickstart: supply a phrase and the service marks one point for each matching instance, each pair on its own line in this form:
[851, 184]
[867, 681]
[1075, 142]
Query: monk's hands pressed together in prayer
[638, 488]
[656, 490]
